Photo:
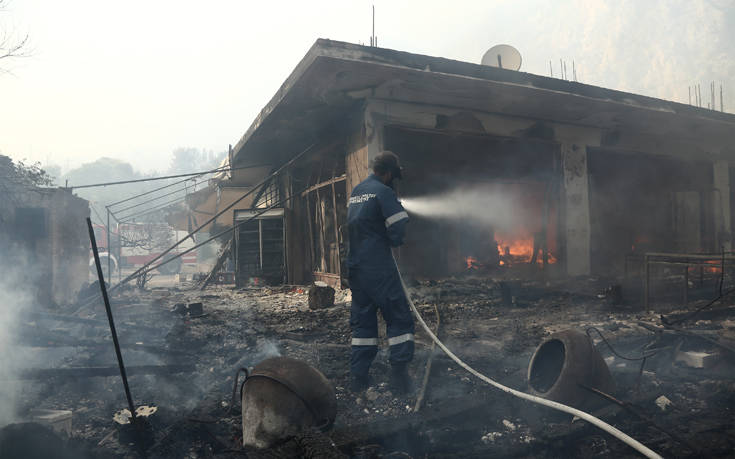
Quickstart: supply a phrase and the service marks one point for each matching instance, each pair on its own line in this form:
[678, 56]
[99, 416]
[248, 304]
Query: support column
[577, 207]
[375, 114]
[723, 222]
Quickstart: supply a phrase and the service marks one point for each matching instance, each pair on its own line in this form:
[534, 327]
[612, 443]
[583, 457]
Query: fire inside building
[569, 250]
[593, 178]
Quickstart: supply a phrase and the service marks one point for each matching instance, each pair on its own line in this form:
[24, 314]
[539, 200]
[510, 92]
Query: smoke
[8, 367]
[14, 299]
[485, 205]
[265, 349]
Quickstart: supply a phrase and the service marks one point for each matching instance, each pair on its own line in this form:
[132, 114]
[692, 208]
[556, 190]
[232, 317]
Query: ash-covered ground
[674, 409]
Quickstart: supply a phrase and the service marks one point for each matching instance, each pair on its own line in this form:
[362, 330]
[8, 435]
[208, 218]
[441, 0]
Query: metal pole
[214, 217]
[109, 239]
[646, 281]
[372, 37]
[103, 288]
[119, 254]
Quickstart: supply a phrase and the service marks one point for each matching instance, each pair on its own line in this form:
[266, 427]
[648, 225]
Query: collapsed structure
[594, 174]
[43, 237]
[594, 178]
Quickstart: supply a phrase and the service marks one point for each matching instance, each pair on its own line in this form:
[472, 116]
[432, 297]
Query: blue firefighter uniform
[376, 222]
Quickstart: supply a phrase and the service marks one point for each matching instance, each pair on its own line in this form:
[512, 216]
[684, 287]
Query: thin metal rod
[103, 288]
[109, 251]
[211, 219]
[152, 191]
[157, 207]
[638, 413]
[119, 256]
[152, 179]
[179, 190]
[143, 270]
[646, 281]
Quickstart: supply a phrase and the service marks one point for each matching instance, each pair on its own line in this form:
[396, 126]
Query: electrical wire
[612, 349]
[151, 191]
[127, 218]
[692, 314]
[152, 179]
[214, 217]
[179, 190]
[146, 269]
[628, 440]
[97, 213]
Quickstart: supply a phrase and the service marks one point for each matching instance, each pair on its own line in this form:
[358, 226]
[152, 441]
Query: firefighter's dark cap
[387, 161]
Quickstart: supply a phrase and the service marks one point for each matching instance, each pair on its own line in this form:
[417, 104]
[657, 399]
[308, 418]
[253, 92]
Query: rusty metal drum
[283, 396]
[564, 363]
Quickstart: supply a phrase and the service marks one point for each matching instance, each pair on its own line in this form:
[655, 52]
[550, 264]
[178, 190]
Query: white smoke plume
[486, 205]
[14, 299]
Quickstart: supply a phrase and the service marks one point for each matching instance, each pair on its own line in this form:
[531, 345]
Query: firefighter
[377, 222]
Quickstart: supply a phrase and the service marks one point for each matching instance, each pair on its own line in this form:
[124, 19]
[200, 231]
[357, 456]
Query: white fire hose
[632, 442]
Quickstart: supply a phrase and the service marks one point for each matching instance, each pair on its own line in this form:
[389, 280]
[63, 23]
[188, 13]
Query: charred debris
[565, 240]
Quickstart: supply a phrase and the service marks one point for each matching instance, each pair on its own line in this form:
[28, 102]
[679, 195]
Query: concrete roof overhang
[334, 78]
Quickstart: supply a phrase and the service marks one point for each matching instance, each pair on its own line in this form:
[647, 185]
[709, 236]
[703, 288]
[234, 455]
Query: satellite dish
[503, 56]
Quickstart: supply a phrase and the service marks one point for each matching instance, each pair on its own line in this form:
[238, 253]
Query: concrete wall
[577, 210]
[723, 209]
[52, 255]
[69, 244]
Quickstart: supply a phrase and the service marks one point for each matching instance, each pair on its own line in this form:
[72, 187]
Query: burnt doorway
[327, 212]
[511, 186]
[260, 249]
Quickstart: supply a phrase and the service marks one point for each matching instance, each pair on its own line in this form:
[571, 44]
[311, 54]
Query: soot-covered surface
[460, 415]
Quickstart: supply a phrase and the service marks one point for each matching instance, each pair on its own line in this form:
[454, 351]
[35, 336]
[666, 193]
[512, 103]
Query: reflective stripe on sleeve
[364, 341]
[395, 218]
[400, 339]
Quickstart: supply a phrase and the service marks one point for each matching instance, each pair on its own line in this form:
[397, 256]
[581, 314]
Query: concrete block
[695, 359]
[321, 296]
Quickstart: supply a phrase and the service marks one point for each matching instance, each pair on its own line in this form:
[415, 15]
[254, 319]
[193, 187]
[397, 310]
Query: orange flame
[472, 263]
[519, 250]
[715, 269]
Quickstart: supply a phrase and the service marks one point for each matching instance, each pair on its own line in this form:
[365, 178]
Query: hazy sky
[136, 79]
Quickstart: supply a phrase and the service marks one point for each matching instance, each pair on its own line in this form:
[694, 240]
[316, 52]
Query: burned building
[43, 237]
[593, 175]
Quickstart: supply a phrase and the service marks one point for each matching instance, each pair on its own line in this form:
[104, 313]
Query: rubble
[663, 403]
[245, 326]
[321, 296]
[696, 359]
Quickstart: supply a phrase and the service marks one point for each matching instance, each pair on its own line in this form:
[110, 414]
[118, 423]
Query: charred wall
[648, 203]
[44, 234]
